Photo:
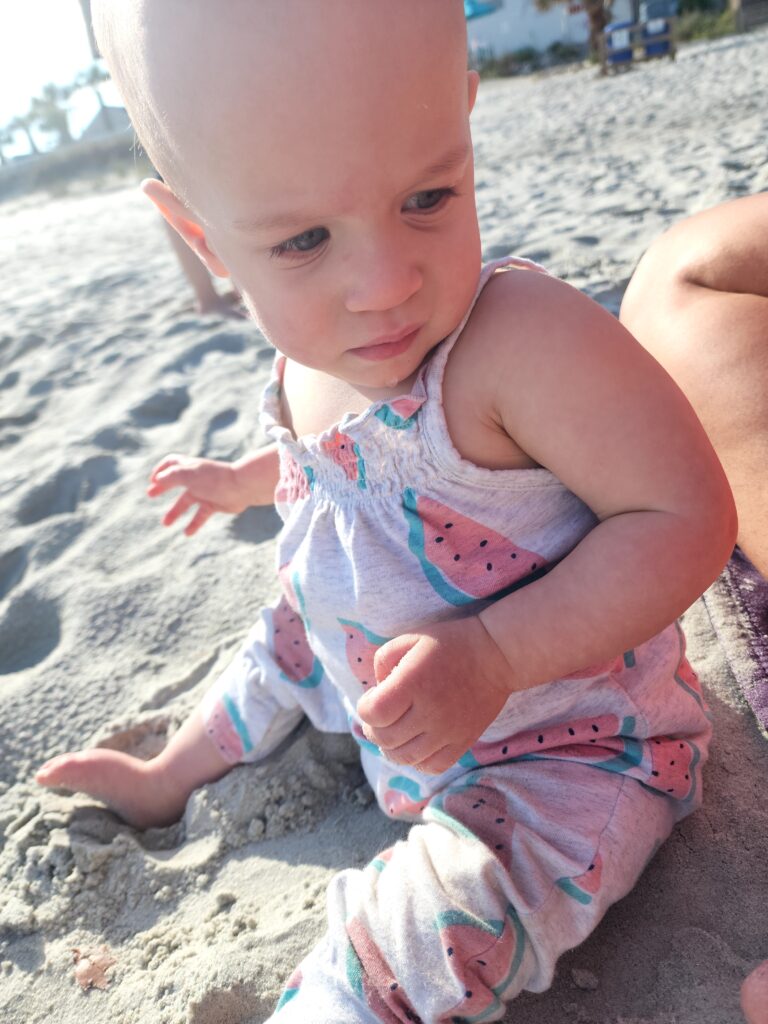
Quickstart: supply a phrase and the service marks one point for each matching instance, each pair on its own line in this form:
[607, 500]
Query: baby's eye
[431, 199]
[305, 242]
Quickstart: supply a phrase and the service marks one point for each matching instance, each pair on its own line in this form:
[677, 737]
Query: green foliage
[527, 59]
[705, 25]
[565, 53]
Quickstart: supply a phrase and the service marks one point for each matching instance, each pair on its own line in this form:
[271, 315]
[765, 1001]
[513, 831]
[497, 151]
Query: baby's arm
[215, 486]
[582, 398]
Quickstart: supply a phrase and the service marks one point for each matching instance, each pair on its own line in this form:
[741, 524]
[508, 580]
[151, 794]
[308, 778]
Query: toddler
[495, 505]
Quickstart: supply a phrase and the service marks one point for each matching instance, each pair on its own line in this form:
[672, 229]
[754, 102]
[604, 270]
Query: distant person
[698, 302]
[495, 506]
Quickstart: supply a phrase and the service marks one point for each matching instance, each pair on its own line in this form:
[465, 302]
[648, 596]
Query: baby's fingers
[179, 507]
[169, 460]
[200, 518]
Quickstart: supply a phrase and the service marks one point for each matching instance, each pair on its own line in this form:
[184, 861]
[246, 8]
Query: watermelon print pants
[516, 852]
[512, 866]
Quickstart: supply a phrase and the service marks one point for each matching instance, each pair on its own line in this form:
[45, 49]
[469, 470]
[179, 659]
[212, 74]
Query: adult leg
[698, 302]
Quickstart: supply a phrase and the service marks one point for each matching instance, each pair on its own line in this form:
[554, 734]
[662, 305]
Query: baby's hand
[212, 486]
[436, 693]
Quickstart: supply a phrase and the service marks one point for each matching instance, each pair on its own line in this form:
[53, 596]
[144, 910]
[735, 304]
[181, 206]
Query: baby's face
[334, 179]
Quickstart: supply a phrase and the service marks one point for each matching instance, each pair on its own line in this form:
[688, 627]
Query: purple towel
[737, 603]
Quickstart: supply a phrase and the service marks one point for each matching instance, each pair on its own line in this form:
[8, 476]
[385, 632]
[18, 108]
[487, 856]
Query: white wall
[518, 23]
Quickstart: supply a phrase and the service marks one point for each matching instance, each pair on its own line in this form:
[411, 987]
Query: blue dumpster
[655, 15]
[618, 42]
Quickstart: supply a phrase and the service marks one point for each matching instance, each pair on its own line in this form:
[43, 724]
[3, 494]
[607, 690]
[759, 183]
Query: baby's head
[318, 151]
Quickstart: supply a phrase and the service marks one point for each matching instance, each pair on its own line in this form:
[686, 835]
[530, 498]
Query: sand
[112, 627]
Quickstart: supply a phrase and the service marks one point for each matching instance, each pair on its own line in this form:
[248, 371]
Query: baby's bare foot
[136, 790]
[754, 995]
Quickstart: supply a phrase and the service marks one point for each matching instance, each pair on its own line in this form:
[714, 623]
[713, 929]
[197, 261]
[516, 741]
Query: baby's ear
[181, 219]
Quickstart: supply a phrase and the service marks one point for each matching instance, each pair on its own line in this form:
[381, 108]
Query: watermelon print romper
[518, 850]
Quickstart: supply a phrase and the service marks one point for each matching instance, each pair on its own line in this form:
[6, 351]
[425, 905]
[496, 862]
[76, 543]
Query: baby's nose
[384, 277]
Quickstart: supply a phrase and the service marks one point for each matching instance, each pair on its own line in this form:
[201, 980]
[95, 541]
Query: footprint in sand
[116, 439]
[63, 492]
[164, 406]
[30, 630]
[13, 565]
[229, 342]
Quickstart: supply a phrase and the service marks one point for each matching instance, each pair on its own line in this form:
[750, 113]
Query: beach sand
[111, 627]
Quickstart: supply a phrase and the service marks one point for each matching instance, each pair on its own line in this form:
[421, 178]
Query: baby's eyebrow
[448, 162]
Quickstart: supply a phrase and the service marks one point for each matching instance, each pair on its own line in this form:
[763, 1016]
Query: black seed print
[571, 732]
[489, 566]
[475, 806]
[295, 643]
[456, 558]
[499, 821]
[448, 526]
[670, 791]
[681, 746]
[468, 994]
[482, 963]
[393, 986]
[365, 682]
[533, 567]
[591, 867]
[359, 660]
[343, 446]
[593, 741]
[540, 739]
[277, 631]
[499, 846]
[449, 951]
[439, 540]
[483, 543]
[687, 777]
[655, 773]
[513, 555]
[671, 762]
[292, 619]
[351, 636]
[595, 728]
[504, 750]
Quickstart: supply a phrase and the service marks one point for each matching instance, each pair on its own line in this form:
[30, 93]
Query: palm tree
[598, 12]
[23, 123]
[49, 112]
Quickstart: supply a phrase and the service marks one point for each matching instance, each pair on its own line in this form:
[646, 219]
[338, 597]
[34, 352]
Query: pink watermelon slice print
[345, 453]
[462, 559]
[294, 481]
[484, 956]
[600, 740]
[673, 766]
[400, 414]
[362, 645]
[292, 986]
[291, 649]
[403, 797]
[478, 810]
[227, 730]
[371, 977]
[585, 886]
